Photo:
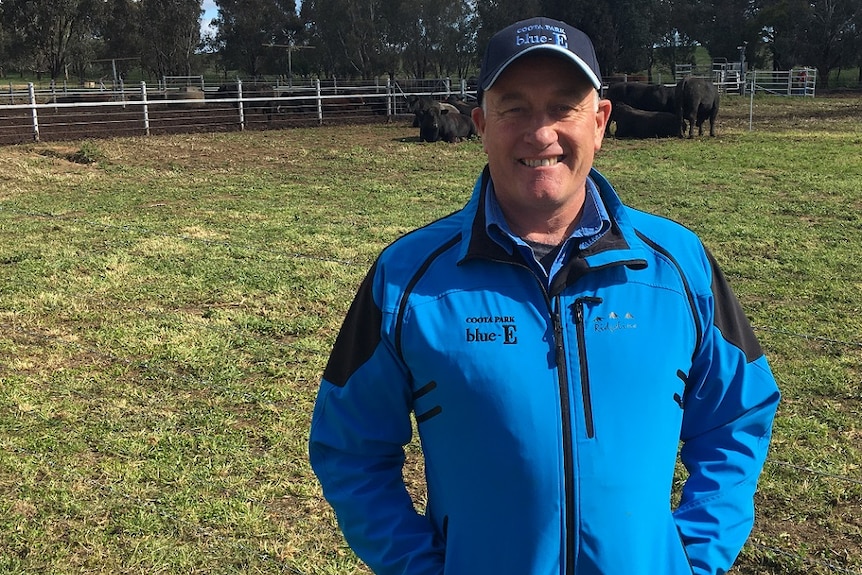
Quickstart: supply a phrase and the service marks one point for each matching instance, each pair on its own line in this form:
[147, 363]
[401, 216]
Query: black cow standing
[438, 123]
[696, 102]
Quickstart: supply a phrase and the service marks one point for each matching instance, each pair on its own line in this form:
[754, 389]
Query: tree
[350, 36]
[434, 36]
[670, 46]
[721, 26]
[783, 24]
[830, 41]
[121, 34]
[494, 15]
[51, 31]
[254, 35]
[170, 30]
[819, 33]
[458, 54]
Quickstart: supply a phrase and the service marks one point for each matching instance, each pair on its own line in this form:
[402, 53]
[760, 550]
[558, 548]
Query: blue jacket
[551, 420]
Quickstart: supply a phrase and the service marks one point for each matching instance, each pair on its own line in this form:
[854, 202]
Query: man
[556, 348]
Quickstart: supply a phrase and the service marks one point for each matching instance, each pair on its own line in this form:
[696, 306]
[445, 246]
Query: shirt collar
[592, 225]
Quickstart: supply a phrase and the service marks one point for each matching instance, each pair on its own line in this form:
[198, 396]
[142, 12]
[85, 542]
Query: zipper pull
[579, 306]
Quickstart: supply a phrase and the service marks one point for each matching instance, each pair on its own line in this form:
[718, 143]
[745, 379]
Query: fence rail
[55, 114]
[178, 105]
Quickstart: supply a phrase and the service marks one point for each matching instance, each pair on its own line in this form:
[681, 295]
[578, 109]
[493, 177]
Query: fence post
[239, 104]
[751, 102]
[390, 99]
[145, 108]
[32, 95]
[319, 103]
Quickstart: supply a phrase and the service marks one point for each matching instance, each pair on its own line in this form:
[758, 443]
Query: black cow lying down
[634, 123]
[641, 96]
[462, 105]
[440, 123]
[418, 105]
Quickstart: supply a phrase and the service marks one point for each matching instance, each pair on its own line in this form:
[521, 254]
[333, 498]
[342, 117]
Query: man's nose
[541, 130]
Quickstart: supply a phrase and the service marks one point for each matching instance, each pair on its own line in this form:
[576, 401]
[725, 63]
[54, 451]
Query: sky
[210, 12]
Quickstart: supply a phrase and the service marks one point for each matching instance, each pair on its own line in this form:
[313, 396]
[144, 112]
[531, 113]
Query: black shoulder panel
[359, 335]
[729, 316]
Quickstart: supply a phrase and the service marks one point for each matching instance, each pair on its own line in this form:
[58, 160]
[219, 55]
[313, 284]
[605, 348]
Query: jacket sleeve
[730, 403]
[360, 424]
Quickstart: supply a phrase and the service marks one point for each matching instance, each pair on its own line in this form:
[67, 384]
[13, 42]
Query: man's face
[541, 125]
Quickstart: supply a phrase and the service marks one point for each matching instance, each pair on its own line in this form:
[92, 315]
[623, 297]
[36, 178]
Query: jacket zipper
[568, 456]
[582, 360]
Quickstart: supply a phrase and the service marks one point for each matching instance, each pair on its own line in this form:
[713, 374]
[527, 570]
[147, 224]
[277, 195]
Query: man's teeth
[542, 162]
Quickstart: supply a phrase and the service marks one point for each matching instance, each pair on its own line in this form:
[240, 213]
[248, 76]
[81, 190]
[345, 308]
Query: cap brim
[565, 52]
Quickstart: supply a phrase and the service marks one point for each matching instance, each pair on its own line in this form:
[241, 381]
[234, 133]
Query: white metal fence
[187, 104]
[28, 114]
[729, 78]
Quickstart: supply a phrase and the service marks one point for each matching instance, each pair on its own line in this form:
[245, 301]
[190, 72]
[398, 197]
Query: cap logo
[525, 38]
[538, 35]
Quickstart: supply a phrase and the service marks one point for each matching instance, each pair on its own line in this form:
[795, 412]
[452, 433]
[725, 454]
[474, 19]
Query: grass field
[167, 306]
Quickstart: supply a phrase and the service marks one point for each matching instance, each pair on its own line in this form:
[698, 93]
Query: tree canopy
[414, 38]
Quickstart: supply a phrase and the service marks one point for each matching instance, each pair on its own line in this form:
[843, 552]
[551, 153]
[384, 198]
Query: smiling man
[559, 352]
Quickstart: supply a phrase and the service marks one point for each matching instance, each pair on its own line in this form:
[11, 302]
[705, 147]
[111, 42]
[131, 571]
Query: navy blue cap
[534, 35]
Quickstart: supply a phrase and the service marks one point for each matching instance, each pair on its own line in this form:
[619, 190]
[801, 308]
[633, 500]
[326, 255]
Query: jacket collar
[619, 246]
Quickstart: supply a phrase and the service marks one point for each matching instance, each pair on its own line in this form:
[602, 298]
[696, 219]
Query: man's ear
[603, 115]
[478, 115]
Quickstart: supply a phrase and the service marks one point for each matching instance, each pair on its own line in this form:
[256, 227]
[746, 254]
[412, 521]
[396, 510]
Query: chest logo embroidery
[614, 322]
[491, 328]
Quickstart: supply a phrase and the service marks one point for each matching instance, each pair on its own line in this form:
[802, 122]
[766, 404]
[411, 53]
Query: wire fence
[179, 373]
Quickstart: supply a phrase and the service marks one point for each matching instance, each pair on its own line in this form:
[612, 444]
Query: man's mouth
[541, 162]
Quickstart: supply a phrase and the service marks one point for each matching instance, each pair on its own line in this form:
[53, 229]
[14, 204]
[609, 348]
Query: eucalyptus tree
[171, 32]
[494, 15]
[437, 36]
[819, 33]
[459, 43]
[671, 45]
[347, 34]
[258, 36]
[121, 34]
[51, 32]
[831, 39]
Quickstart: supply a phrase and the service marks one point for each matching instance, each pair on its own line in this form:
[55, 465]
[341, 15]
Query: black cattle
[251, 96]
[651, 97]
[437, 124]
[696, 101]
[418, 105]
[462, 106]
[634, 123]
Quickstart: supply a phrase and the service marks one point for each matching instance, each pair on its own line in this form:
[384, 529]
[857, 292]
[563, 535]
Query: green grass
[167, 306]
